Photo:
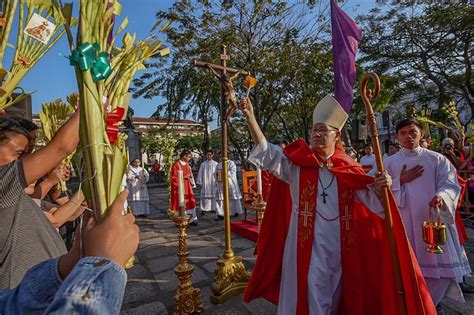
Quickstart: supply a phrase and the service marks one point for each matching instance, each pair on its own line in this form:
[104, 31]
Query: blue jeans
[95, 286]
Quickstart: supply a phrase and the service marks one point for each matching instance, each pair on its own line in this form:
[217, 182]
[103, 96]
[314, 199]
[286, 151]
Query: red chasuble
[368, 283]
[190, 201]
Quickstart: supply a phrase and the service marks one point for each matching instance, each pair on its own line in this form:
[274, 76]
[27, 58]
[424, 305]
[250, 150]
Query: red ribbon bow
[112, 119]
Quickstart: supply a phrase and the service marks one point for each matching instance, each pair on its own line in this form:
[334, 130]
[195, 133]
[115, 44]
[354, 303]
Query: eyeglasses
[323, 131]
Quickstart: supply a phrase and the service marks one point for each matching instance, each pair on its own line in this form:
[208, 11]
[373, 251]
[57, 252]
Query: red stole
[368, 284]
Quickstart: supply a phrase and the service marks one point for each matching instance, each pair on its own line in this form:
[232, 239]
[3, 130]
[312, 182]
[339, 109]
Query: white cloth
[369, 160]
[193, 214]
[443, 287]
[439, 178]
[235, 206]
[206, 179]
[140, 207]
[137, 177]
[235, 195]
[207, 204]
[324, 277]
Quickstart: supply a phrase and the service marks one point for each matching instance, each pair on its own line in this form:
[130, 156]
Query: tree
[281, 44]
[426, 49]
[163, 142]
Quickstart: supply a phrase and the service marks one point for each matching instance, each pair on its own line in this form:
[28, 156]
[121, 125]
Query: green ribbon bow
[85, 57]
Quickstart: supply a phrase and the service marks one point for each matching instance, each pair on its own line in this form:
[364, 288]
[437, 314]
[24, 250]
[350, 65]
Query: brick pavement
[152, 283]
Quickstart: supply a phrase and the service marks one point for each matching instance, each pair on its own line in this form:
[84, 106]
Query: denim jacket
[95, 286]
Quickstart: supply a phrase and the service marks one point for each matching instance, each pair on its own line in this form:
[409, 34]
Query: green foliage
[164, 142]
[426, 50]
[53, 115]
[190, 142]
[284, 45]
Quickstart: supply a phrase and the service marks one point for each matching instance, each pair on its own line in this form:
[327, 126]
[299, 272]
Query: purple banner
[345, 40]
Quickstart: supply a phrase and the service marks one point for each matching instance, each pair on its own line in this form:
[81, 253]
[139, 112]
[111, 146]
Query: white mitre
[330, 112]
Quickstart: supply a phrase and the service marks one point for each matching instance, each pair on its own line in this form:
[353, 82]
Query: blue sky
[53, 78]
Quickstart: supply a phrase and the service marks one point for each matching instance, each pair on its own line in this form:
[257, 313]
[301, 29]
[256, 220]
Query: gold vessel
[434, 234]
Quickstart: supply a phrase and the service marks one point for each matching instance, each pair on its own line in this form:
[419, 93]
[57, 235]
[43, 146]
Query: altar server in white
[138, 199]
[235, 203]
[422, 179]
[206, 179]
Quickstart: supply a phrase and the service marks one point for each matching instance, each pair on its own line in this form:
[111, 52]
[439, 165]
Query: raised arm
[266, 155]
[255, 131]
[45, 159]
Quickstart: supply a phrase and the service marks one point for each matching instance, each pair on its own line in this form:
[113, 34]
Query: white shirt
[234, 189]
[137, 177]
[369, 160]
[206, 178]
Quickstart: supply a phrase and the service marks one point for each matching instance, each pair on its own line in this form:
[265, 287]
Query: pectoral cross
[306, 213]
[347, 216]
[324, 195]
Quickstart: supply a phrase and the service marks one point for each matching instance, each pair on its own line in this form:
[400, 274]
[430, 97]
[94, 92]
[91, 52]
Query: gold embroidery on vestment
[305, 213]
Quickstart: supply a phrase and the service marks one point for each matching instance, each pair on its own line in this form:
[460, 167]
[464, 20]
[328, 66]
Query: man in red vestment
[190, 201]
[325, 249]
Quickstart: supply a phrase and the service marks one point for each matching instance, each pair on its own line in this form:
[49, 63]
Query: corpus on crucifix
[232, 277]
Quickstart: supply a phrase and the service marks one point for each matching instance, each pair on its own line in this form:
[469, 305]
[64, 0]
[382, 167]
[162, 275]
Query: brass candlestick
[259, 206]
[187, 298]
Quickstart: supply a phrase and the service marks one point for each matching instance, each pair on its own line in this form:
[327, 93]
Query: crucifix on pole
[232, 277]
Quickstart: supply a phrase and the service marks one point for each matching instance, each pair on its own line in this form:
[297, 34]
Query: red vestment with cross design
[368, 283]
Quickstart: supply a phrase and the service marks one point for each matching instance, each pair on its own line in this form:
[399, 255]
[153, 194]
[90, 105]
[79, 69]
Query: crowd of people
[320, 253]
[326, 205]
[210, 179]
[456, 149]
[40, 271]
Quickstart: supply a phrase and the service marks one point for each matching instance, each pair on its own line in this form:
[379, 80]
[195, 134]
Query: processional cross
[228, 96]
[226, 281]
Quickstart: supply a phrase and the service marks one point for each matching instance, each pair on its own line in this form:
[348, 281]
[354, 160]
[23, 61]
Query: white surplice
[235, 195]
[439, 178]
[324, 277]
[137, 177]
[206, 180]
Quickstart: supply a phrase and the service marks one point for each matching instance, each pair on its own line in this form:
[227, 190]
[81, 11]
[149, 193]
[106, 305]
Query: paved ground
[152, 283]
